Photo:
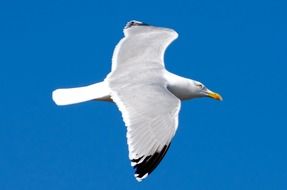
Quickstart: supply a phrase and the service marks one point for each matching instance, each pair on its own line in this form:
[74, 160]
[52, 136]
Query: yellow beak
[215, 96]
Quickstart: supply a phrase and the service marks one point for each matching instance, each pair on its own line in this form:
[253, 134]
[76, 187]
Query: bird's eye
[199, 85]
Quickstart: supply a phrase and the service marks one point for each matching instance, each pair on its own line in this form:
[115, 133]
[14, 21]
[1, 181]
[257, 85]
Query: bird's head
[201, 91]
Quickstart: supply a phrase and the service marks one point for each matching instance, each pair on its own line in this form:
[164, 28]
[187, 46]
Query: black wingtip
[135, 23]
[144, 168]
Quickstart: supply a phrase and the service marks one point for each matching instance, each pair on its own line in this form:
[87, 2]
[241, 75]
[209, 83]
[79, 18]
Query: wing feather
[138, 87]
[142, 43]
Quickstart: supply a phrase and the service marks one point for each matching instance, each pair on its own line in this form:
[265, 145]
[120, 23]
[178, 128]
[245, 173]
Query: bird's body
[146, 93]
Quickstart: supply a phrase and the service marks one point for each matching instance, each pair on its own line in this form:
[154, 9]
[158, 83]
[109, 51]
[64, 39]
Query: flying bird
[148, 96]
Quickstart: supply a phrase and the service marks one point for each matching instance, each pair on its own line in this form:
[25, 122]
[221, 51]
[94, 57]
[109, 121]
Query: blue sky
[237, 48]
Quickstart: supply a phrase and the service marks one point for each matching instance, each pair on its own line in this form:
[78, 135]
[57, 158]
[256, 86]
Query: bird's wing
[150, 113]
[142, 43]
[138, 87]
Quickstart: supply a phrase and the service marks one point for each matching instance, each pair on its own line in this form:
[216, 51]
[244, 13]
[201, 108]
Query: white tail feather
[81, 94]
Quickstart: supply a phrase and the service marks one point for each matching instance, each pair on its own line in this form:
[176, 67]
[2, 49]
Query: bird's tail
[98, 91]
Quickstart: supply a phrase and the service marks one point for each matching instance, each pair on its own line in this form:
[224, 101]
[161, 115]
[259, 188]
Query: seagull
[147, 95]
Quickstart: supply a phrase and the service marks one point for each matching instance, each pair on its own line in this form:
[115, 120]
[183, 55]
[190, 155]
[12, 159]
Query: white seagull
[147, 95]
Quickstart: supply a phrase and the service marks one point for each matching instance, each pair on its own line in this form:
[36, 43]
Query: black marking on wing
[137, 160]
[135, 23]
[149, 163]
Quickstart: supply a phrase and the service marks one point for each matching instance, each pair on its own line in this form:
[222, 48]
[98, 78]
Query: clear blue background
[237, 48]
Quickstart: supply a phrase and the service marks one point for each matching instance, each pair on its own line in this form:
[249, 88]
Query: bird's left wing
[150, 113]
[142, 46]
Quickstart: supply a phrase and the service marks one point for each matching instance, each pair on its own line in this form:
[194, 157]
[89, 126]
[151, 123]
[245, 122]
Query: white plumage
[145, 92]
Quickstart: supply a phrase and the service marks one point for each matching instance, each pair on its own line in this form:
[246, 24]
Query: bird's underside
[147, 95]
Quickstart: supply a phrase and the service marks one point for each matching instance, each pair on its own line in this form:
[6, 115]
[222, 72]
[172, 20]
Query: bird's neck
[179, 86]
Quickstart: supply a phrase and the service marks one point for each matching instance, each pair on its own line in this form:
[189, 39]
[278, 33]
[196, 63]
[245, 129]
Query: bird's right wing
[150, 113]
